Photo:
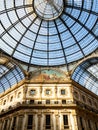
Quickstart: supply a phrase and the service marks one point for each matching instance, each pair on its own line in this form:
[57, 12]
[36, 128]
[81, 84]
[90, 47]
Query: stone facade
[47, 103]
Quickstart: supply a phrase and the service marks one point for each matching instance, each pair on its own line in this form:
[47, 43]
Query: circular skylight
[48, 9]
[48, 33]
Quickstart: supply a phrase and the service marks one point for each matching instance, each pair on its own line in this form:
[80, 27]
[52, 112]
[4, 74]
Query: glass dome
[49, 32]
[48, 9]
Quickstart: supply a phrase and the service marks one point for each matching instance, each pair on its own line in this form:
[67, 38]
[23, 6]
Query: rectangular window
[47, 101]
[89, 125]
[81, 123]
[48, 122]
[48, 91]
[14, 123]
[55, 102]
[62, 91]
[63, 101]
[83, 98]
[39, 102]
[31, 101]
[30, 122]
[32, 92]
[5, 124]
[96, 126]
[65, 121]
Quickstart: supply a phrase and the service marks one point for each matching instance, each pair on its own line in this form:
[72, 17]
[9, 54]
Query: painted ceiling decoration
[49, 75]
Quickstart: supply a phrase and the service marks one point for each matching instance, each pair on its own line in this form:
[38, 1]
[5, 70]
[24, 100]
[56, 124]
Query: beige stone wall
[54, 95]
[12, 98]
[23, 94]
[85, 98]
[39, 119]
[31, 99]
[57, 123]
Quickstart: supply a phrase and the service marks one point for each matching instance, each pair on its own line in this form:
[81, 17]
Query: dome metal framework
[71, 34]
[48, 9]
[10, 74]
[86, 74]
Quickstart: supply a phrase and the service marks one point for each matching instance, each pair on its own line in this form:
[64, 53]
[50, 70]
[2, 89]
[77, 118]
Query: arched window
[11, 99]
[19, 94]
[86, 74]
[10, 74]
[4, 102]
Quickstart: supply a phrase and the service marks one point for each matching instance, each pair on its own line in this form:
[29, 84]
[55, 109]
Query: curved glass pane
[60, 33]
[86, 74]
[10, 74]
[51, 8]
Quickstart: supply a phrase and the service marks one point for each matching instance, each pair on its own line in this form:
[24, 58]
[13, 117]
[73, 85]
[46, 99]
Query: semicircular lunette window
[60, 33]
[10, 74]
[86, 74]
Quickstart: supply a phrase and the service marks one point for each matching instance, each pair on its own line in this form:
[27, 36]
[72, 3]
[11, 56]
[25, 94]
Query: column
[1, 124]
[52, 124]
[75, 118]
[9, 123]
[57, 122]
[44, 123]
[34, 120]
[20, 122]
[25, 122]
[39, 122]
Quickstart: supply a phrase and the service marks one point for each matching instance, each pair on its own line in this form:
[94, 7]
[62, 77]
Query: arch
[10, 73]
[86, 74]
[19, 95]
[11, 98]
